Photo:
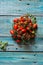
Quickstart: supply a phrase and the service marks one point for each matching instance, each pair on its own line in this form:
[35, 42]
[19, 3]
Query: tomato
[19, 32]
[21, 22]
[14, 36]
[19, 36]
[18, 41]
[15, 20]
[22, 19]
[29, 20]
[15, 26]
[30, 31]
[27, 28]
[12, 32]
[23, 30]
[35, 26]
[25, 23]
[30, 24]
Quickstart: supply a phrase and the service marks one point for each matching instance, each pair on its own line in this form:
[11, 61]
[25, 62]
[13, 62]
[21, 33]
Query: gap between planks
[38, 36]
[40, 15]
[25, 51]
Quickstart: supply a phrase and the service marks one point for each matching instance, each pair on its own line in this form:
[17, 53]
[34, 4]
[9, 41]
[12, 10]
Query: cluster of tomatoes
[23, 29]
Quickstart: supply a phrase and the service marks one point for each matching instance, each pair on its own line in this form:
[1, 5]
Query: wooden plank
[33, 45]
[20, 7]
[21, 58]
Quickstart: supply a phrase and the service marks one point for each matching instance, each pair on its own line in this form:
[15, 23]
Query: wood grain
[10, 7]
[31, 54]
[21, 58]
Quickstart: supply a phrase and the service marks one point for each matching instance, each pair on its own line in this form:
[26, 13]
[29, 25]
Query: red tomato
[19, 32]
[35, 26]
[18, 41]
[23, 30]
[12, 32]
[19, 36]
[15, 26]
[14, 36]
[27, 28]
[22, 19]
[30, 24]
[15, 20]
[18, 29]
[30, 31]
[21, 22]
[29, 20]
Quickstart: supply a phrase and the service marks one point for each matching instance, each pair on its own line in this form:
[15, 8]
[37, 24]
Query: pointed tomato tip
[12, 32]
[15, 20]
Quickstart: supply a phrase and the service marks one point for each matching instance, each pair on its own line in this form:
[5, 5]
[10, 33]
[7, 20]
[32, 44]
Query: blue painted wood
[21, 7]
[17, 7]
[21, 58]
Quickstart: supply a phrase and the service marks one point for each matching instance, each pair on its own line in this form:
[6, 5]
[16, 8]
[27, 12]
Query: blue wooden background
[15, 54]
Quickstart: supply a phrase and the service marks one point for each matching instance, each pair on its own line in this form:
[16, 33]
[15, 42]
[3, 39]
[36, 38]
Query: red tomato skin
[23, 30]
[29, 20]
[15, 27]
[22, 19]
[27, 28]
[15, 20]
[34, 26]
[18, 41]
[19, 36]
[14, 36]
[30, 24]
[11, 32]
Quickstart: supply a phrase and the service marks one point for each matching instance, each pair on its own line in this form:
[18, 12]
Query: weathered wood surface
[21, 58]
[9, 9]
